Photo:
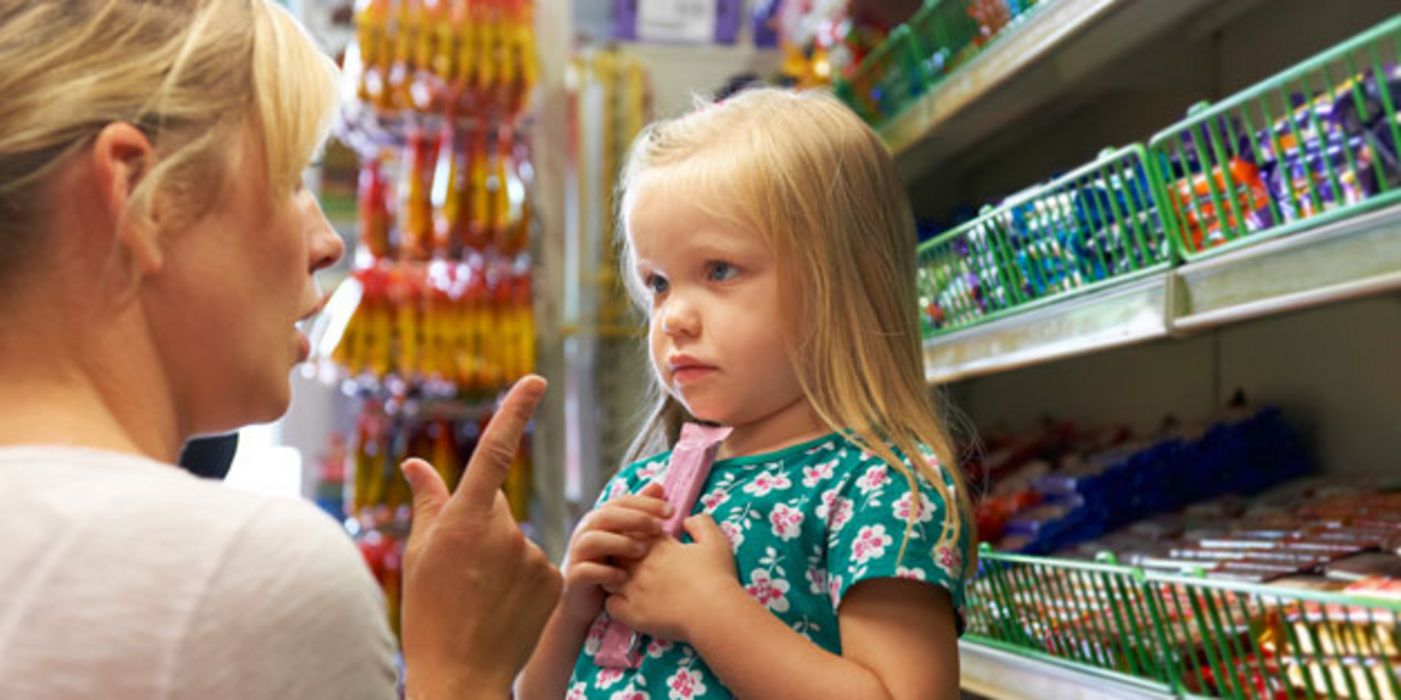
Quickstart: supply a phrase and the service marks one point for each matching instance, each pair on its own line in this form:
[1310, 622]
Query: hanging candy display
[446, 318]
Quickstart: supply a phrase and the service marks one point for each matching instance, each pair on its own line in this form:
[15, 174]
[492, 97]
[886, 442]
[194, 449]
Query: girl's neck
[791, 425]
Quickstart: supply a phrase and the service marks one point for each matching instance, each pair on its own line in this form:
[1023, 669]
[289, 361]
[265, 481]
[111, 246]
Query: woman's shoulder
[234, 583]
[136, 492]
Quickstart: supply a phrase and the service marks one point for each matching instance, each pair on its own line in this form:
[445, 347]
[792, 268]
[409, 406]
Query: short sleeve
[867, 520]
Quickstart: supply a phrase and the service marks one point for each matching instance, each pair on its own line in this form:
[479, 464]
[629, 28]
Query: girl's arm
[547, 673]
[898, 642]
[898, 637]
[618, 531]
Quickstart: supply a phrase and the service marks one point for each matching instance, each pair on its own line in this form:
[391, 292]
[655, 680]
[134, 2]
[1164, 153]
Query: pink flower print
[770, 592]
[874, 478]
[787, 522]
[576, 692]
[902, 508]
[834, 589]
[629, 693]
[835, 509]
[657, 647]
[909, 574]
[817, 580]
[734, 533]
[595, 638]
[818, 472]
[871, 542]
[713, 500]
[766, 482]
[685, 684]
[607, 677]
[951, 561]
[618, 488]
[648, 472]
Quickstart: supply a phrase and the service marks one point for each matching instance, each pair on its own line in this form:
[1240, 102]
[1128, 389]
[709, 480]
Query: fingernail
[668, 509]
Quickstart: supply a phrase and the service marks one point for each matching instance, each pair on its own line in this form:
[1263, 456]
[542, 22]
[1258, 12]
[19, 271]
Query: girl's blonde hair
[817, 184]
[188, 73]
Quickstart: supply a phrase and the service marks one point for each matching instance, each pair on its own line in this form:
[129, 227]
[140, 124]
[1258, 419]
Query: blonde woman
[770, 243]
[158, 250]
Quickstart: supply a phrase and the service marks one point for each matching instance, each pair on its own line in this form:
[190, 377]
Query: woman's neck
[83, 389]
[791, 425]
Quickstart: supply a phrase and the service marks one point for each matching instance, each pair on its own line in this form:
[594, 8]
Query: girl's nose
[679, 317]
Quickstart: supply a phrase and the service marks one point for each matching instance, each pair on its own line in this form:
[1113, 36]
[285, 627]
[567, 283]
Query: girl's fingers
[591, 573]
[600, 545]
[652, 504]
[624, 520]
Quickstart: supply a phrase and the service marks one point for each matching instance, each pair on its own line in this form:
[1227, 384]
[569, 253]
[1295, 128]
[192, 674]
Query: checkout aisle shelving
[1307, 321]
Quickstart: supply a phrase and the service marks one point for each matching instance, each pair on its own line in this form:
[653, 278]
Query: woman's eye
[656, 283]
[719, 271]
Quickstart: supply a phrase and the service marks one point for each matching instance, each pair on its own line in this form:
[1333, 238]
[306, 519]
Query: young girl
[771, 243]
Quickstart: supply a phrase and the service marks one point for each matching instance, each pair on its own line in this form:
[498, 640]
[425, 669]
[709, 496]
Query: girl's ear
[121, 156]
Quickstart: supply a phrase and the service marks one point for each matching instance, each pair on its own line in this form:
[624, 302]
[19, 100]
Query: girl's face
[232, 288]
[716, 332]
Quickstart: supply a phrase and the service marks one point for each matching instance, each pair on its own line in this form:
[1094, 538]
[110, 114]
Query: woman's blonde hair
[817, 184]
[188, 73]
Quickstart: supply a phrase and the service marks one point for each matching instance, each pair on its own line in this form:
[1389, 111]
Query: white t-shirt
[121, 577]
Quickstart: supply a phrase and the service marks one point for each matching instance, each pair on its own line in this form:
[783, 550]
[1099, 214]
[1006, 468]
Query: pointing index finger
[491, 460]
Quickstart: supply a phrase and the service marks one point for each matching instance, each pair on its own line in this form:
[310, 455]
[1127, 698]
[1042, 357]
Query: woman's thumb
[430, 494]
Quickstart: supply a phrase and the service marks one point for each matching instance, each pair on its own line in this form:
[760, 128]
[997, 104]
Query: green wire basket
[949, 33]
[887, 81]
[1316, 143]
[946, 36]
[941, 36]
[1187, 635]
[1097, 225]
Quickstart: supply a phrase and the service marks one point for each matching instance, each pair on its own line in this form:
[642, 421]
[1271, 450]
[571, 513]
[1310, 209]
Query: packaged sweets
[1384, 565]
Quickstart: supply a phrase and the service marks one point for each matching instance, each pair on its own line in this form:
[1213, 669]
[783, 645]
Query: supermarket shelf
[1108, 318]
[997, 674]
[1351, 258]
[1026, 68]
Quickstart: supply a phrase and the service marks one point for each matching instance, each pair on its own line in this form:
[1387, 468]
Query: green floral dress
[806, 523]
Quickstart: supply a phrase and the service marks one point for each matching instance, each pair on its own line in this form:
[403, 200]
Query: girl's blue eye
[656, 283]
[720, 271]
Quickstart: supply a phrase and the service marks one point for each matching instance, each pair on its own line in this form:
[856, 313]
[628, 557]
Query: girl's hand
[618, 532]
[676, 584]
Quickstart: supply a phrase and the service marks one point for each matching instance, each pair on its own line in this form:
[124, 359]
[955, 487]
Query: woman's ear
[121, 157]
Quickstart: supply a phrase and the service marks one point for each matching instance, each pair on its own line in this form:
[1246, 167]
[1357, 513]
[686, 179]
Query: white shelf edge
[1347, 259]
[997, 674]
[1111, 317]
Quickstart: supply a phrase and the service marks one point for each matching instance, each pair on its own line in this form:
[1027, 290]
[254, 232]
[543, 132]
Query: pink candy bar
[690, 465]
[619, 648]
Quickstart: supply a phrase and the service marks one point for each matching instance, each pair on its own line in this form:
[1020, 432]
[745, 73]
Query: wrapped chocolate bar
[1309, 582]
[1384, 565]
[1376, 587]
[1196, 201]
[1334, 650]
[1316, 177]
